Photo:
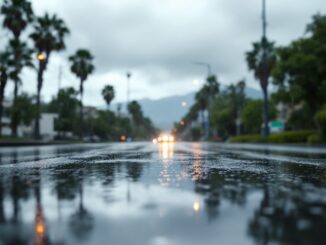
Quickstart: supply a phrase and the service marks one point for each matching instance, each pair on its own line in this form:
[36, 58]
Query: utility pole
[59, 78]
[265, 68]
[128, 90]
[264, 19]
[58, 100]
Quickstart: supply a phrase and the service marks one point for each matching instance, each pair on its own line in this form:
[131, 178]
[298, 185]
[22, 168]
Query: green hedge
[304, 136]
[248, 139]
[291, 137]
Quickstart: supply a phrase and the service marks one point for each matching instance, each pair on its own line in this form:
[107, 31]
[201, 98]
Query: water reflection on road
[161, 194]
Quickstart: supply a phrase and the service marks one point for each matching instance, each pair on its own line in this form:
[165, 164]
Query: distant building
[284, 111]
[90, 111]
[47, 128]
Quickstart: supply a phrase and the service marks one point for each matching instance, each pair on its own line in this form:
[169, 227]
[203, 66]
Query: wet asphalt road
[166, 194]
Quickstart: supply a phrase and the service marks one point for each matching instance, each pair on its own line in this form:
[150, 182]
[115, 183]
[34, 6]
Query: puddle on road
[162, 194]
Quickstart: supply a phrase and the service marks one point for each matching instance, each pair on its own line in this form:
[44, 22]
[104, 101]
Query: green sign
[277, 124]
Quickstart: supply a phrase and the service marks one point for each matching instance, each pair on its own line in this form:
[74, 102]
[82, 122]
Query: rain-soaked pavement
[166, 194]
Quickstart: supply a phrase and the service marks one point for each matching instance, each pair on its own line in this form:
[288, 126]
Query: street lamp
[41, 57]
[195, 82]
[207, 65]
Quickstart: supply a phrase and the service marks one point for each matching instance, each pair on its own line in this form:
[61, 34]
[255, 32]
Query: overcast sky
[158, 41]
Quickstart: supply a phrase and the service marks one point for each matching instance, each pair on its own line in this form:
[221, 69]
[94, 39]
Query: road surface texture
[164, 194]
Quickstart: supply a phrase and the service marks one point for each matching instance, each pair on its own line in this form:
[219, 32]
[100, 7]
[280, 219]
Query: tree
[226, 109]
[108, 94]
[251, 115]
[17, 15]
[202, 98]
[236, 97]
[25, 109]
[66, 105]
[105, 125]
[300, 73]
[205, 96]
[20, 57]
[136, 113]
[261, 60]
[142, 126]
[222, 115]
[82, 66]
[214, 87]
[48, 36]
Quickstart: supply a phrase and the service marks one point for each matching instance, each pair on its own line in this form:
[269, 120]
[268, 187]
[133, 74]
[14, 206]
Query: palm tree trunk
[14, 116]
[266, 113]
[81, 114]
[37, 134]
[2, 94]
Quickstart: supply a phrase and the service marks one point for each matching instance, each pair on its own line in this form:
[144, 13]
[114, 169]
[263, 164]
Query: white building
[47, 129]
[47, 121]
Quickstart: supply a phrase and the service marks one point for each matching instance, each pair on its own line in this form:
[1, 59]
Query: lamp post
[206, 126]
[41, 57]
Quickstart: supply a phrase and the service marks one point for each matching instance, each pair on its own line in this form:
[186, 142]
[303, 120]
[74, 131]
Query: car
[164, 138]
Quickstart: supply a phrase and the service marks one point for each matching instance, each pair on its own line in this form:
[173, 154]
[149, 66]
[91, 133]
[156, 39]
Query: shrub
[321, 120]
[314, 139]
[248, 139]
[305, 136]
[291, 137]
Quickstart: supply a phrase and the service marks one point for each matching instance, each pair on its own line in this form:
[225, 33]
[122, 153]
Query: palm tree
[136, 113]
[17, 15]
[207, 93]
[82, 67]
[261, 60]
[202, 98]
[108, 94]
[20, 57]
[48, 36]
[214, 87]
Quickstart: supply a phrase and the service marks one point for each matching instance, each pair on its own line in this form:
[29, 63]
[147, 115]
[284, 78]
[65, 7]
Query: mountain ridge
[165, 111]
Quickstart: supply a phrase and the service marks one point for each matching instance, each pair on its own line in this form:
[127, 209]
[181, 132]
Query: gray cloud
[159, 40]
